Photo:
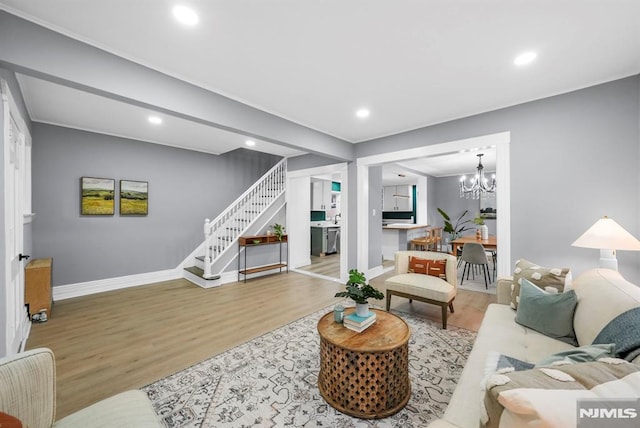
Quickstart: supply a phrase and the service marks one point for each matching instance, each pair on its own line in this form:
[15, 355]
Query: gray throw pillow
[580, 355]
[549, 314]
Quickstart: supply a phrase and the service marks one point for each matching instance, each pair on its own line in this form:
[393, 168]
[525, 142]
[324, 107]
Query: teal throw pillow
[582, 354]
[549, 314]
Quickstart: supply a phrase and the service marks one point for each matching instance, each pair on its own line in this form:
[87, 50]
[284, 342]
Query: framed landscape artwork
[97, 196]
[134, 197]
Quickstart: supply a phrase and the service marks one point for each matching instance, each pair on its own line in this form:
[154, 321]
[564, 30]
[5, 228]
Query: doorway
[14, 322]
[503, 225]
[318, 225]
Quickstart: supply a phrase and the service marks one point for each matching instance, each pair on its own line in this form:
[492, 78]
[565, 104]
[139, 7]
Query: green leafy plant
[454, 230]
[278, 230]
[358, 290]
[478, 220]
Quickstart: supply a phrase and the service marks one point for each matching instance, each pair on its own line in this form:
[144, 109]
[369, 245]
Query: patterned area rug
[271, 381]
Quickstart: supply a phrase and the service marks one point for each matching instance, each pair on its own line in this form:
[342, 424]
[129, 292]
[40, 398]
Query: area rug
[271, 381]
[476, 282]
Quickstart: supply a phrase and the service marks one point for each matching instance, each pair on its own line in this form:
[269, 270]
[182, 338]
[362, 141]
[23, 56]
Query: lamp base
[608, 259]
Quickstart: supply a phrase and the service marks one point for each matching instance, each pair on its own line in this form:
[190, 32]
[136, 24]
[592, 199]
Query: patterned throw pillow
[539, 276]
[418, 265]
[436, 268]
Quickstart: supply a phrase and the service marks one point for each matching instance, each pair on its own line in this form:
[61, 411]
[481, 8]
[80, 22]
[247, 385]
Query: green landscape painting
[134, 197]
[97, 196]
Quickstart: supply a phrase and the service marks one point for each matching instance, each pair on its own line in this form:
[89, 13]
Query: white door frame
[298, 219]
[501, 142]
[16, 168]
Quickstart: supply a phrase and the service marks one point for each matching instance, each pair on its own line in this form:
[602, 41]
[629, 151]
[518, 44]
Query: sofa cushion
[498, 333]
[426, 286]
[130, 409]
[603, 294]
[539, 276]
[550, 314]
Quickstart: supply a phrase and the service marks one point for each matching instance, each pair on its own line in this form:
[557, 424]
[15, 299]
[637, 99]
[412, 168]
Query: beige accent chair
[424, 288]
[28, 392]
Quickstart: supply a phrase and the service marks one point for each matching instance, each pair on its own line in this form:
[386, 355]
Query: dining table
[490, 243]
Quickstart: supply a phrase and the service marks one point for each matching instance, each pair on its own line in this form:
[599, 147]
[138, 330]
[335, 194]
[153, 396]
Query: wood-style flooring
[111, 342]
[325, 265]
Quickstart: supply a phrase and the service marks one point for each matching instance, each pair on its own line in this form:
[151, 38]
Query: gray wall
[574, 158]
[185, 187]
[375, 222]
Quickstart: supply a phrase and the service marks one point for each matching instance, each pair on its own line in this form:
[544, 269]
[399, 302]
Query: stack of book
[358, 323]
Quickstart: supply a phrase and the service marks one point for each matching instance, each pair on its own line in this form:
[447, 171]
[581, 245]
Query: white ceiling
[412, 63]
[458, 163]
[83, 110]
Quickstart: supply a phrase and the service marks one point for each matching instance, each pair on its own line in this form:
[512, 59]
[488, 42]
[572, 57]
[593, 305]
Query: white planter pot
[484, 232]
[362, 309]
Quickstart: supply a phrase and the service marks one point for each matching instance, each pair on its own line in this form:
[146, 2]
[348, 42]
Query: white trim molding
[68, 291]
[501, 142]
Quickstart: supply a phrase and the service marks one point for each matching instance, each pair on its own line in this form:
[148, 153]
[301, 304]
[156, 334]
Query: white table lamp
[607, 236]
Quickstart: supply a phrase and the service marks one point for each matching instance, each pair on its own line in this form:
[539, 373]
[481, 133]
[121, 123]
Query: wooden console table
[245, 242]
[366, 374]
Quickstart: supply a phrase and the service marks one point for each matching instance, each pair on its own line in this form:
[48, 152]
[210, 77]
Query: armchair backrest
[28, 387]
[402, 263]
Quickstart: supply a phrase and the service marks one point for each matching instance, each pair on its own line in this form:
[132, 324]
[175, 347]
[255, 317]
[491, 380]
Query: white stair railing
[221, 233]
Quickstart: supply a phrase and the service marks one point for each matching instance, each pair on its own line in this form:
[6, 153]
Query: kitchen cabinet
[325, 240]
[320, 195]
[397, 198]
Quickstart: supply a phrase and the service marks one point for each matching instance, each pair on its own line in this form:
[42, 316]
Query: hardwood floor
[110, 342]
[325, 265]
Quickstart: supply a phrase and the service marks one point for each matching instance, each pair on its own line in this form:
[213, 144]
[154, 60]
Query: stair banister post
[207, 248]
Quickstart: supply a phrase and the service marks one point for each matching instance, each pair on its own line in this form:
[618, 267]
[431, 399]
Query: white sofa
[602, 295]
[28, 392]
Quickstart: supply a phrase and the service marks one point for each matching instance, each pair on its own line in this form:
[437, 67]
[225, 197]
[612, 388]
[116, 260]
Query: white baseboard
[374, 272]
[69, 291]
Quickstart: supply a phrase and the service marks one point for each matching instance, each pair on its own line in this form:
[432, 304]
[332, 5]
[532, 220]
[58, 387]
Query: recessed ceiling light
[155, 120]
[250, 143]
[363, 113]
[185, 15]
[525, 58]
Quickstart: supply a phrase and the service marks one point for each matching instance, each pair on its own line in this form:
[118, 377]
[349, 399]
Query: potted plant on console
[359, 291]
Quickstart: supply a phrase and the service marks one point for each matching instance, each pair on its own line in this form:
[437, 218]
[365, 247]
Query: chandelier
[479, 183]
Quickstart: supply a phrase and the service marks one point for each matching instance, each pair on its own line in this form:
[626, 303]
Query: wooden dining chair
[436, 239]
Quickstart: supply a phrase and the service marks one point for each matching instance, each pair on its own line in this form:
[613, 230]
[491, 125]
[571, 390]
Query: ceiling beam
[31, 49]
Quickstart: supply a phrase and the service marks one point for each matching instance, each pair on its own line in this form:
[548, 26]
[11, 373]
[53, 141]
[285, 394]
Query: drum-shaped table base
[366, 374]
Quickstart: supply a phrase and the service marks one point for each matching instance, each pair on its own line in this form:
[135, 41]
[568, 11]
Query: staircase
[248, 214]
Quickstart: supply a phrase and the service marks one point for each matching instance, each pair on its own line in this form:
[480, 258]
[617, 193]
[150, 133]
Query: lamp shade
[607, 234]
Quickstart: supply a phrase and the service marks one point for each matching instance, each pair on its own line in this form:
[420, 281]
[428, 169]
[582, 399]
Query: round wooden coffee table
[366, 374]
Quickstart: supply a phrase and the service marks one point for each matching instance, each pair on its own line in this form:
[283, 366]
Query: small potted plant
[278, 230]
[359, 291]
[454, 230]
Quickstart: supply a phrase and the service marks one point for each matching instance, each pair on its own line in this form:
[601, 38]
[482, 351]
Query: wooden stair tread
[195, 270]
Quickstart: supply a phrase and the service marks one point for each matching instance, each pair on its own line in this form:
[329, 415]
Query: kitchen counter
[397, 236]
[405, 226]
[323, 224]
